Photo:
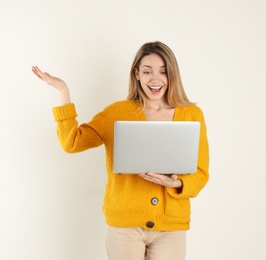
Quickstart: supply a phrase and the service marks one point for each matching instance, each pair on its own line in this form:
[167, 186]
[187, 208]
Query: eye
[146, 72]
[164, 72]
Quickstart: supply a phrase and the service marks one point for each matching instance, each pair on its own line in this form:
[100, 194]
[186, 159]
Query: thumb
[174, 177]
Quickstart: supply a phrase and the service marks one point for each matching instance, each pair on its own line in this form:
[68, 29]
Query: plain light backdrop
[50, 201]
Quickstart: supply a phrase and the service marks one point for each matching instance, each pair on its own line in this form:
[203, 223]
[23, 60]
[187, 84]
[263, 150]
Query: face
[152, 75]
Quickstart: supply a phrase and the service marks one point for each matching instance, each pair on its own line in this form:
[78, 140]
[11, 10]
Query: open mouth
[155, 89]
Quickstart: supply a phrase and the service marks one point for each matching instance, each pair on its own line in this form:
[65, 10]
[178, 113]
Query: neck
[157, 105]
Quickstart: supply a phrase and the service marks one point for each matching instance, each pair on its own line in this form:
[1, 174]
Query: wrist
[65, 95]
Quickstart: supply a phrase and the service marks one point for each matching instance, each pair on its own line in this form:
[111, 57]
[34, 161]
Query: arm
[55, 82]
[187, 185]
[194, 183]
[72, 137]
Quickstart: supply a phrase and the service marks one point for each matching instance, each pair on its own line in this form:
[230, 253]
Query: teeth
[155, 87]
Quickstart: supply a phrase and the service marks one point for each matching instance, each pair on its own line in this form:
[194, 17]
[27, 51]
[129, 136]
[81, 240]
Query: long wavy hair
[176, 96]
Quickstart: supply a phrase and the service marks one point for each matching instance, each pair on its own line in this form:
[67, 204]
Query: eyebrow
[151, 66]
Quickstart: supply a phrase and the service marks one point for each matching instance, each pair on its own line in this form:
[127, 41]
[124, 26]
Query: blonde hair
[176, 96]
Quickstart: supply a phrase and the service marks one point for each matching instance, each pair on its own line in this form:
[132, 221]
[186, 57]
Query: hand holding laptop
[169, 181]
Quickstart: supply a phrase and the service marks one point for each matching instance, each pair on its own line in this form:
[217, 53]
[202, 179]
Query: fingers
[149, 176]
[153, 177]
[43, 75]
[38, 72]
[160, 176]
[162, 179]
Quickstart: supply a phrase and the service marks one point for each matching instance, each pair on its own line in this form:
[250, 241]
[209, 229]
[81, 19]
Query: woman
[147, 215]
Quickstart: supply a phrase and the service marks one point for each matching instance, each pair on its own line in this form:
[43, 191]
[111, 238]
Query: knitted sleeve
[193, 183]
[75, 138]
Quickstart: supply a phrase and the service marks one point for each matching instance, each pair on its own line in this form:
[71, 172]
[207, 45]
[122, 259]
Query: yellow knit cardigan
[128, 200]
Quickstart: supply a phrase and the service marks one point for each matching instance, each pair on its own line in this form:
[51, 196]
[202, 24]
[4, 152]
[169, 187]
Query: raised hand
[50, 80]
[54, 82]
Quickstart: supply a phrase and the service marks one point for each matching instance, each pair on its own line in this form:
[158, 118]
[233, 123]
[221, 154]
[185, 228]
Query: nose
[155, 77]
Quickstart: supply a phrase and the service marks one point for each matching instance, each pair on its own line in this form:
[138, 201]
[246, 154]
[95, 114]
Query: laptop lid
[158, 146]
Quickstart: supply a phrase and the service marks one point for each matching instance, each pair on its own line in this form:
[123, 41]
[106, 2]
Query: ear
[137, 74]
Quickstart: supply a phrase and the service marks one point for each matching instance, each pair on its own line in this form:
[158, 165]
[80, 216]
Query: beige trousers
[140, 244]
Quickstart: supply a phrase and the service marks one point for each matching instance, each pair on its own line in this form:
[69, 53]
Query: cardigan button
[150, 224]
[154, 201]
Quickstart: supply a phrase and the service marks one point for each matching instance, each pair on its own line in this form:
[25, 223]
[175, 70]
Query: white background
[50, 201]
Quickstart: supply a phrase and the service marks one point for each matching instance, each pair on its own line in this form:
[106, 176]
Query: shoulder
[194, 109]
[123, 104]
[192, 112]
[120, 110]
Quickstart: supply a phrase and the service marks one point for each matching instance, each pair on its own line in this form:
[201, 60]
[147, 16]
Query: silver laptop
[158, 146]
